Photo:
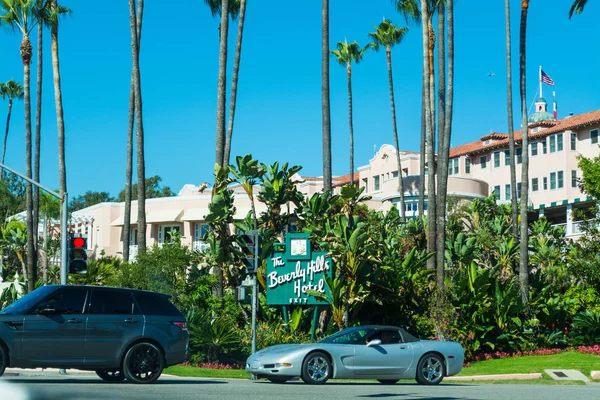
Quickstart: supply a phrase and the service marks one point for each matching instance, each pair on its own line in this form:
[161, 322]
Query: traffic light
[250, 244]
[77, 255]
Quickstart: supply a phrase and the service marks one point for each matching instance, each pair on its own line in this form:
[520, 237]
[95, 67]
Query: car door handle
[402, 347]
[74, 321]
[130, 321]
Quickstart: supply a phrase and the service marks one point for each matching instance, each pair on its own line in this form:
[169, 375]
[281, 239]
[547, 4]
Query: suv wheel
[3, 359]
[143, 363]
[110, 375]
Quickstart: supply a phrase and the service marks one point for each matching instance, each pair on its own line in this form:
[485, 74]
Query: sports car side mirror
[374, 342]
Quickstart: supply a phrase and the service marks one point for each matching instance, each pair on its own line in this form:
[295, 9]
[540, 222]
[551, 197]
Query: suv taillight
[181, 325]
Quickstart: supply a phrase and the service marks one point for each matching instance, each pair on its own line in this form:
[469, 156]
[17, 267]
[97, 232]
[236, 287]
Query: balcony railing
[133, 252]
[199, 245]
[576, 228]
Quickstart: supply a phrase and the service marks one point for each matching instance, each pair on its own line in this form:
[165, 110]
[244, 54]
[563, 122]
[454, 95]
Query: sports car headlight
[283, 365]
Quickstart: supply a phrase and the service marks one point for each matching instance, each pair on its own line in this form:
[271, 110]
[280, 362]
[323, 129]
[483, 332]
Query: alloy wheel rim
[318, 368]
[432, 369]
[145, 362]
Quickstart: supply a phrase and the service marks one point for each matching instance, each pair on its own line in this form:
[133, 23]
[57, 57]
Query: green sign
[293, 272]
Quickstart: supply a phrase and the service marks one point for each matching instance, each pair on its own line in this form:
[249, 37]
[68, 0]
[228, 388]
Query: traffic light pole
[63, 221]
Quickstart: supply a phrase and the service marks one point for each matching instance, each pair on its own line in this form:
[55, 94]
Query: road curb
[496, 377]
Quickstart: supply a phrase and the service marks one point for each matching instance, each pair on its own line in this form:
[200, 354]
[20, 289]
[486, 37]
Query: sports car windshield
[356, 335]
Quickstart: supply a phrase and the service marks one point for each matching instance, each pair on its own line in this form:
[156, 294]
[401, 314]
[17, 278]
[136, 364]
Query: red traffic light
[78, 242]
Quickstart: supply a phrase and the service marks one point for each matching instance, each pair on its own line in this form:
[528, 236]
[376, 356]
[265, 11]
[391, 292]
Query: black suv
[119, 333]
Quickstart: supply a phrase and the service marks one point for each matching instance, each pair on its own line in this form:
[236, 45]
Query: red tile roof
[570, 123]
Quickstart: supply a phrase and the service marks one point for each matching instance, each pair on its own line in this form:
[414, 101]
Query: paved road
[75, 386]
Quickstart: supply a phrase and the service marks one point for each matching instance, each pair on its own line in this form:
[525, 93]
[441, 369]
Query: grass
[528, 364]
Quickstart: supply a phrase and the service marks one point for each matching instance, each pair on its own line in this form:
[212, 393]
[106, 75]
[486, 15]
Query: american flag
[546, 79]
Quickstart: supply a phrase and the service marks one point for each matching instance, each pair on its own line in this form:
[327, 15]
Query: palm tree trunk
[222, 84]
[524, 259]
[141, 165]
[38, 123]
[325, 109]
[350, 123]
[234, 81]
[388, 51]
[10, 103]
[26, 56]
[129, 162]
[62, 170]
[430, 132]
[511, 133]
[422, 158]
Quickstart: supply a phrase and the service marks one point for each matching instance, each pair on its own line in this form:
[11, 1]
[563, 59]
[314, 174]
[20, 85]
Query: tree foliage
[154, 189]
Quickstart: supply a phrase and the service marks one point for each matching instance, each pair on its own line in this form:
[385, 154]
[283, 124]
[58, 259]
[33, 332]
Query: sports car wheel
[430, 370]
[278, 379]
[143, 363]
[316, 368]
[110, 375]
[388, 381]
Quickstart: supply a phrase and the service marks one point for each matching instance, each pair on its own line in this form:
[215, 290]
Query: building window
[483, 162]
[467, 165]
[552, 140]
[133, 237]
[534, 149]
[507, 192]
[497, 192]
[559, 142]
[552, 180]
[453, 167]
[165, 233]
[573, 141]
[376, 183]
[395, 174]
[574, 178]
[200, 230]
[544, 147]
[594, 136]
[519, 186]
[519, 155]
[506, 157]
[496, 159]
[411, 206]
[561, 179]
[534, 185]
[366, 184]
[545, 183]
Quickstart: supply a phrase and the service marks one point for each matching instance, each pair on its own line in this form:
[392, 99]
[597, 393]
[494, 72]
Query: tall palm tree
[10, 90]
[387, 35]
[20, 15]
[222, 84]
[129, 156]
[524, 260]
[577, 7]
[346, 54]
[141, 164]
[38, 115]
[234, 79]
[325, 99]
[511, 132]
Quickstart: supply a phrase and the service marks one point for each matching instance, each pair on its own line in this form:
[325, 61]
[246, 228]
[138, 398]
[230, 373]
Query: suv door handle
[130, 321]
[74, 321]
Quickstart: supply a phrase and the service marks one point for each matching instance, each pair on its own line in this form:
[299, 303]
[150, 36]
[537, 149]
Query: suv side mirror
[374, 342]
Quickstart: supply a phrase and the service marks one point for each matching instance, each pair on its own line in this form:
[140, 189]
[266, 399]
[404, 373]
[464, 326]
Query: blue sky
[279, 100]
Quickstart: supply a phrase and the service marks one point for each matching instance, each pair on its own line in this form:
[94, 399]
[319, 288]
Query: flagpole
[541, 82]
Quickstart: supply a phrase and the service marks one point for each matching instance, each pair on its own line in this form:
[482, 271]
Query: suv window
[107, 301]
[155, 304]
[71, 300]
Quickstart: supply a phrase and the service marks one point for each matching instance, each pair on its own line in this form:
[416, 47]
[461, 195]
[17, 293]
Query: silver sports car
[385, 353]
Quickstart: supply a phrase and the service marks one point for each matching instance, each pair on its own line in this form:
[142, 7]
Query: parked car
[385, 353]
[118, 333]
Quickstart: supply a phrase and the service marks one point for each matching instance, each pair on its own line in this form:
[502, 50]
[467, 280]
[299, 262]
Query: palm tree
[577, 7]
[20, 15]
[387, 35]
[141, 165]
[10, 90]
[524, 260]
[346, 54]
[234, 79]
[38, 114]
[222, 84]
[129, 161]
[511, 133]
[325, 107]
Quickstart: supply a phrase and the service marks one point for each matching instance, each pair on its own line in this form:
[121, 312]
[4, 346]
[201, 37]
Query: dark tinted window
[107, 301]
[28, 301]
[155, 304]
[70, 300]
[387, 336]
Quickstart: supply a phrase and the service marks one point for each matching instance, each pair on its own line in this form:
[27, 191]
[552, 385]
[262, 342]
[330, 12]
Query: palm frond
[387, 34]
[577, 7]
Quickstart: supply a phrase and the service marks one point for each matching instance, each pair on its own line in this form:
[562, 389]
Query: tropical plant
[387, 35]
[10, 90]
[346, 54]
[211, 334]
[577, 7]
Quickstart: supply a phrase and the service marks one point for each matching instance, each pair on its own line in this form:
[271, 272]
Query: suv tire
[143, 363]
[110, 375]
[3, 358]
